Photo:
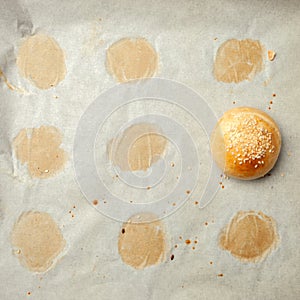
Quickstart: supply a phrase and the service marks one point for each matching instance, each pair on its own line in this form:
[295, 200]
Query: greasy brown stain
[250, 236]
[138, 147]
[41, 60]
[130, 59]
[237, 61]
[40, 149]
[142, 244]
[37, 240]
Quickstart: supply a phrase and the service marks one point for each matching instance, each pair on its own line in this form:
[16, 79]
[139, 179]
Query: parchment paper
[183, 33]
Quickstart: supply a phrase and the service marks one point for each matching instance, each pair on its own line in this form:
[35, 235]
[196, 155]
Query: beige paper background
[183, 33]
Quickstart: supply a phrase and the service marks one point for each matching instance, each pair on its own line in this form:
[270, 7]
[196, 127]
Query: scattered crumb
[172, 164]
[267, 81]
[196, 202]
[148, 187]
[72, 216]
[193, 248]
[222, 186]
[95, 202]
[210, 262]
[215, 39]
[28, 293]
[271, 102]
[55, 97]
[188, 191]
[220, 275]
[174, 204]
[180, 237]
[233, 102]
[187, 242]
[195, 242]
[172, 256]
[271, 55]
[176, 246]
[104, 201]
[74, 206]
[274, 95]
[206, 223]
[282, 174]
[123, 230]
[70, 211]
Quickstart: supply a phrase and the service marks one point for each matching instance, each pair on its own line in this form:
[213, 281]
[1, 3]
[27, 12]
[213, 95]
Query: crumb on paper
[271, 55]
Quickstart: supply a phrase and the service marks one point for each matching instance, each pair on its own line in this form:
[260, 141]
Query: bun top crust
[246, 143]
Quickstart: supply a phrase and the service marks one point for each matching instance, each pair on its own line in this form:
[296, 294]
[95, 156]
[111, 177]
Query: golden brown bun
[245, 143]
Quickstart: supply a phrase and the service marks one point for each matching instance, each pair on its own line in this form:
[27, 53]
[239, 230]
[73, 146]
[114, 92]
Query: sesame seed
[249, 141]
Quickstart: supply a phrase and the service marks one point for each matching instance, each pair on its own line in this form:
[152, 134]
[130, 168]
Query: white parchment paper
[184, 34]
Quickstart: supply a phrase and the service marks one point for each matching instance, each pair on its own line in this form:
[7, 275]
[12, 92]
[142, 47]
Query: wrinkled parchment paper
[184, 34]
